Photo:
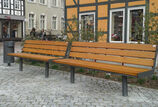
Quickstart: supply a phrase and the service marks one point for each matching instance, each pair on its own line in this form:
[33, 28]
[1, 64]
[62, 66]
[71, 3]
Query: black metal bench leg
[124, 86]
[47, 69]
[21, 65]
[72, 75]
[9, 64]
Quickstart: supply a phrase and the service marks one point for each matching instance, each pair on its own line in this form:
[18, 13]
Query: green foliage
[35, 63]
[141, 81]
[107, 76]
[73, 28]
[81, 70]
[54, 66]
[154, 77]
[151, 25]
[92, 72]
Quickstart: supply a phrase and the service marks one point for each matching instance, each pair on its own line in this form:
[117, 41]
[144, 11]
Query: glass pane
[117, 26]
[136, 25]
[87, 27]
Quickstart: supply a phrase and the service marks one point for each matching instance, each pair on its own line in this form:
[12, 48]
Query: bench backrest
[137, 54]
[57, 48]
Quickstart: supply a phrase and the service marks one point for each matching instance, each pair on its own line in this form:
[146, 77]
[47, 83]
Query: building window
[87, 26]
[6, 3]
[54, 23]
[62, 24]
[135, 24]
[62, 4]
[42, 22]
[17, 4]
[31, 0]
[54, 2]
[31, 21]
[42, 1]
[117, 25]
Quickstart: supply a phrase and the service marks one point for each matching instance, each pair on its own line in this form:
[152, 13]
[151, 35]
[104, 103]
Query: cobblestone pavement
[31, 89]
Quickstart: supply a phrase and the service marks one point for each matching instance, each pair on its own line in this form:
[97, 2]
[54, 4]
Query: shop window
[116, 25]
[135, 24]
[87, 26]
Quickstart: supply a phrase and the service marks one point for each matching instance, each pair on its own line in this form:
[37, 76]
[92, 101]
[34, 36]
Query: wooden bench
[115, 58]
[42, 51]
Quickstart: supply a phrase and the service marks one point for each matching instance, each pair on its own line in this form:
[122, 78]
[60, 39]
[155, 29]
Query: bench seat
[115, 58]
[33, 56]
[118, 69]
[41, 51]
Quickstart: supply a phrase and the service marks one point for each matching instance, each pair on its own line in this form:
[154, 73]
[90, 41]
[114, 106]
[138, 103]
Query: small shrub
[141, 81]
[154, 77]
[81, 70]
[92, 72]
[107, 76]
[55, 66]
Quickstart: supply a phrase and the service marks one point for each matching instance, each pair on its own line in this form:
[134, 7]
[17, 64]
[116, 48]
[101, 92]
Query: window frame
[56, 22]
[53, 4]
[87, 13]
[110, 25]
[128, 21]
[17, 1]
[62, 23]
[8, 4]
[29, 20]
[31, 1]
[45, 23]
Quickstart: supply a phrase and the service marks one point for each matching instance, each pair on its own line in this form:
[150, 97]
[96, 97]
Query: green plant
[81, 70]
[141, 81]
[86, 35]
[107, 76]
[54, 66]
[92, 72]
[154, 77]
[150, 27]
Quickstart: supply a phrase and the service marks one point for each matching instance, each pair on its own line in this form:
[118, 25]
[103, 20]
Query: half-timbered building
[115, 18]
[12, 16]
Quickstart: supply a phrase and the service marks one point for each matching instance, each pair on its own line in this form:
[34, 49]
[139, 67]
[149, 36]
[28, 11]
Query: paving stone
[30, 88]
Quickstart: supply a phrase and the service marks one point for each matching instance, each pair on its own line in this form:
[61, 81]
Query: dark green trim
[126, 19]
[96, 22]
[108, 29]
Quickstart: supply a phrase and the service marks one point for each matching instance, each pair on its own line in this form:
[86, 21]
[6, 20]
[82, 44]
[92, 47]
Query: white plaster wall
[47, 10]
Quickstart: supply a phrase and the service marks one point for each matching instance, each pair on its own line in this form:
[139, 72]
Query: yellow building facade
[116, 19]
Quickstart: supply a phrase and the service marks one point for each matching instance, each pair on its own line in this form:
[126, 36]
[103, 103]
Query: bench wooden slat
[59, 43]
[47, 52]
[127, 60]
[129, 53]
[48, 47]
[33, 56]
[133, 71]
[143, 47]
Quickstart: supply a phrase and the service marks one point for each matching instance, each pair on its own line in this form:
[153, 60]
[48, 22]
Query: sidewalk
[30, 88]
